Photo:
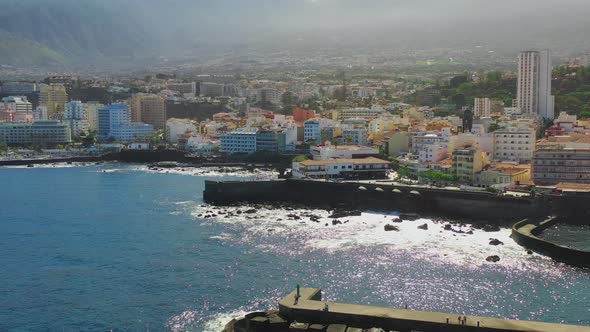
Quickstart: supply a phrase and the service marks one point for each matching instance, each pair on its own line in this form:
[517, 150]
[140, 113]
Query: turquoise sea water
[116, 247]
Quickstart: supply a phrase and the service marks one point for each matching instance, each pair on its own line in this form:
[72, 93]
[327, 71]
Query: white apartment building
[76, 116]
[189, 88]
[482, 107]
[325, 152]
[431, 146]
[534, 84]
[363, 168]
[40, 113]
[359, 112]
[43, 132]
[484, 141]
[355, 136]
[18, 104]
[177, 128]
[514, 144]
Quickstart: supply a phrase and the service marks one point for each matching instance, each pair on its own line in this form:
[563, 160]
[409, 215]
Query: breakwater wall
[378, 196]
[526, 233]
[25, 162]
[310, 313]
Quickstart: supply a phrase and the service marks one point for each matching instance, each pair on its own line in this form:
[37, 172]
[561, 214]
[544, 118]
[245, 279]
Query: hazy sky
[176, 24]
[238, 18]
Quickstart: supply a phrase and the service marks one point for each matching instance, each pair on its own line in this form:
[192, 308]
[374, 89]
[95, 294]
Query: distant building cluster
[345, 129]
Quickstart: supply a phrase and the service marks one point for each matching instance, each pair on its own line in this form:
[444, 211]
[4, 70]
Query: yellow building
[468, 160]
[54, 97]
[503, 175]
[438, 125]
[150, 109]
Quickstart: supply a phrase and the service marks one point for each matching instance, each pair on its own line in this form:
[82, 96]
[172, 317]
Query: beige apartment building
[54, 97]
[148, 108]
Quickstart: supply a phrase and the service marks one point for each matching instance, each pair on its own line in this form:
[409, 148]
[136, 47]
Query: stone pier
[310, 313]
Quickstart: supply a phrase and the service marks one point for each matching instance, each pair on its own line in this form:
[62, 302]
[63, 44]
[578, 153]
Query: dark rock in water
[424, 227]
[470, 232]
[448, 227]
[409, 216]
[295, 326]
[336, 328]
[326, 224]
[214, 215]
[398, 220]
[314, 218]
[279, 219]
[342, 213]
[336, 222]
[495, 242]
[493, 259]
[491, 228]
[207, 216]
[250, 211]
[270, 230]
[389, 228]
[239, 212]
[530, 252]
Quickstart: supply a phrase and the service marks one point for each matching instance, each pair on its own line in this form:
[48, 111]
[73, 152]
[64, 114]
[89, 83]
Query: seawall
[526, 232]
[376, 196]
[25, 162]
[310, 313]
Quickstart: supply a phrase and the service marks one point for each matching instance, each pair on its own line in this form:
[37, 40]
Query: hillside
[23, 52]
[41, 32]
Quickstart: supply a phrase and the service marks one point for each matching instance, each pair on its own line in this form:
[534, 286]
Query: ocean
[122, 248]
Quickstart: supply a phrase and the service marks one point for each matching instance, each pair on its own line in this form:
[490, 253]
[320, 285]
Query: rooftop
[360, 161]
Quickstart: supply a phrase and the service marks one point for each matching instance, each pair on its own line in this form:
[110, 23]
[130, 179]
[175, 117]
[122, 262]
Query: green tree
[458, 80]
[300, 158]
[493, 127]
[404, 171]
[3, 148]
[90, 138]
[458, 99]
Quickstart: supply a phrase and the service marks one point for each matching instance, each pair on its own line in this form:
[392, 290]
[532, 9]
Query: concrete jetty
[310, 313]
[526, 233]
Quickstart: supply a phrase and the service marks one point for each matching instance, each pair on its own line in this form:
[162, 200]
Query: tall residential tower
[534, 84]
[150, 109]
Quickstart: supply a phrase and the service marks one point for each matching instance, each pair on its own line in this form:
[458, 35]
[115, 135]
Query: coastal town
[461, 132]
[295, 165]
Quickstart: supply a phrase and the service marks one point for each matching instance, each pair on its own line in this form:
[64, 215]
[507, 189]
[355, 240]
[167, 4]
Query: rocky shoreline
[335, 217]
